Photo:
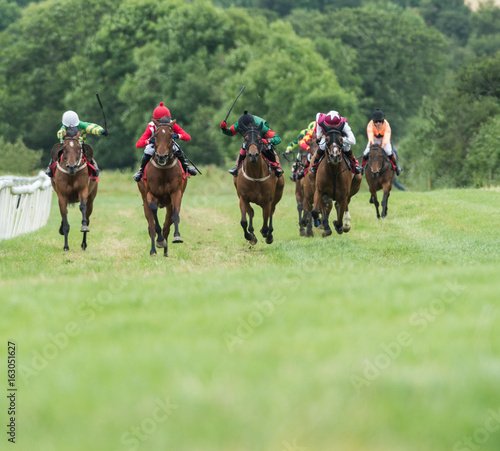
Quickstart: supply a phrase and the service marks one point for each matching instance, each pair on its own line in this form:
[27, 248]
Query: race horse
[163, 185]
[334, 180]
[299, 188]
[72, 183]
[257, 183]
[379, 176]
[308, 187]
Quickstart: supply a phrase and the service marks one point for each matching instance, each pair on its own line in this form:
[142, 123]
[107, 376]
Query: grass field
[385, 338]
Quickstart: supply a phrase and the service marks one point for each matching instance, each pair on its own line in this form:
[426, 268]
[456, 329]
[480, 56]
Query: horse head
[72, 150]
[333, 144]
[377, 157]
[253, 141]
[164, 140]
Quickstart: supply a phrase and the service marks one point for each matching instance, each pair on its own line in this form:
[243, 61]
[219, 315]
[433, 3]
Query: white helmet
[70, 119]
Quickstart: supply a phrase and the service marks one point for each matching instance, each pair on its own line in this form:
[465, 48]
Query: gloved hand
[177, 136]
[288, 151]
[223, 125]
[104, 132]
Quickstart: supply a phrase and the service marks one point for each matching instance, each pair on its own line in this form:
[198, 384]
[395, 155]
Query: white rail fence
[24, 204]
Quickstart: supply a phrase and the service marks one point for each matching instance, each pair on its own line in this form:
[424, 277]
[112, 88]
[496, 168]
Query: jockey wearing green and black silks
[297, 142]
[70, 119]
[271, 138]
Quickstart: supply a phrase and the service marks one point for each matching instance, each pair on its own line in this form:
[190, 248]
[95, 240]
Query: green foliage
[9, 13]
[16, 158]
[484, 154]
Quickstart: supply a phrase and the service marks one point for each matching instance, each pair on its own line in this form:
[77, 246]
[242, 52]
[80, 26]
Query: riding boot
[144, 162]
[355, 169]
[234, 171]
[363, 163]
[392, 157]
[315, 160]
[294, 170]
[48, 171]
[184, 161]
[97, 170]
[271, 156]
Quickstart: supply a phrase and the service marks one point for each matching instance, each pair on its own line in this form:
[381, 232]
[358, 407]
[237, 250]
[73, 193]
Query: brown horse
[71, 182]
[379, 176]
[334, 180]
[299, 189]
[308, 185]
[257, 183]
[164, 187]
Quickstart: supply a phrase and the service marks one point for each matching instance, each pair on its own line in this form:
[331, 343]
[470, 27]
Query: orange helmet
[161, 111]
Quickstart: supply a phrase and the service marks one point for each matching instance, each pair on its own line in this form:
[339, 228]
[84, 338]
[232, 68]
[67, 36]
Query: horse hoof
[66, 249]
[303, 233]
[346, 229]
[177, 239]
[161, 244]
[327, 232]
[317, 222]
[253, 240]
[269, 240]
[153, 255]
[85, 229]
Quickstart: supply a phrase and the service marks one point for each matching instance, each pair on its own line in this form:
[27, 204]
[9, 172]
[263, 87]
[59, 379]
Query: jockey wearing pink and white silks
[333, 120]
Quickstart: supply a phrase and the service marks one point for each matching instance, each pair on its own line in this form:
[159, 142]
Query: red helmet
[161, 111]
[332, 119]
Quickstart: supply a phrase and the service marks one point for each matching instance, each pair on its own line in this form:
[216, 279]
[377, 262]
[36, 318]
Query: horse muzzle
[72, 168]
[162, 159]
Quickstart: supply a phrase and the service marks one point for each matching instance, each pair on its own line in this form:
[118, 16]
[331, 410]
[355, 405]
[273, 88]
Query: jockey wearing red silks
[147, 141]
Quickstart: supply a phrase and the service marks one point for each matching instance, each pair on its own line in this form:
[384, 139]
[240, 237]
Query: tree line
[429, 65]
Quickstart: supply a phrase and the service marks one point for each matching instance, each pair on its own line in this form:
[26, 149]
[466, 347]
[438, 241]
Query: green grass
[385, 338]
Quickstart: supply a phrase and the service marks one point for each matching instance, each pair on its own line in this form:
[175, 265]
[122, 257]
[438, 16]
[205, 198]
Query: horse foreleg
[341, 208]
[245, 209]
[374, 201]
[316, 207]
[64, 228]
[385, 200]
[347, 223]
[83, 209]
[267, 227]
[176, 209]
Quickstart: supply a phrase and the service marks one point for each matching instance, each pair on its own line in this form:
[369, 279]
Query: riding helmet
[245, 120]
[161, 111]
[378, 115]
[70, 119]
[332, 119]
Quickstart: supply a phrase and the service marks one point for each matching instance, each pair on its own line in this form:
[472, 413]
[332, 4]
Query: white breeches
[387, 148]
[149, 150]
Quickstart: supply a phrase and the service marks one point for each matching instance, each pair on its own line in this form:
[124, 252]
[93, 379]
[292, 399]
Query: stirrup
[49, 172]
[278, 172]
[138, 175]
[234, 171]
[191, 170]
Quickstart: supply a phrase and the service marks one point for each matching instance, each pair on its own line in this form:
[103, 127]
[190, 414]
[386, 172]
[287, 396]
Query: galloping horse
[163, 186]
[334, 180]
[299, 189]
[257, 183]
[308, 184]
[379, 175]
[71, 182]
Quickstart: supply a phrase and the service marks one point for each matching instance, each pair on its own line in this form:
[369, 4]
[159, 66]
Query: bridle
[377, 148]
[73, 169]
[160, 161]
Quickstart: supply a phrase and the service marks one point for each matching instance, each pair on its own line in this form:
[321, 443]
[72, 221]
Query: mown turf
[385, 338]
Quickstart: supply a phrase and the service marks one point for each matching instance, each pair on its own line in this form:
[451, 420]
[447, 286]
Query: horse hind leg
[385, 201]
[245, 225]
[85, 224]
[347, 221]
[154, 228]
[374, 201]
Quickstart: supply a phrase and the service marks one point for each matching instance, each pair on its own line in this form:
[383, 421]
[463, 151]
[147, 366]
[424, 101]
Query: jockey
[333, 119]
[147, 141]
[378, 131]
[70, 119]
[298, 175]
[270, 138]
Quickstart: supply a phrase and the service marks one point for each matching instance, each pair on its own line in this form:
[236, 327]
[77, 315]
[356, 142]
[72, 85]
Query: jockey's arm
[184, 136]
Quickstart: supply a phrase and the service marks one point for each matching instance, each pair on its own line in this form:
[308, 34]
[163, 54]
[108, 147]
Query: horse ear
[325, 127]
[259, 128]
